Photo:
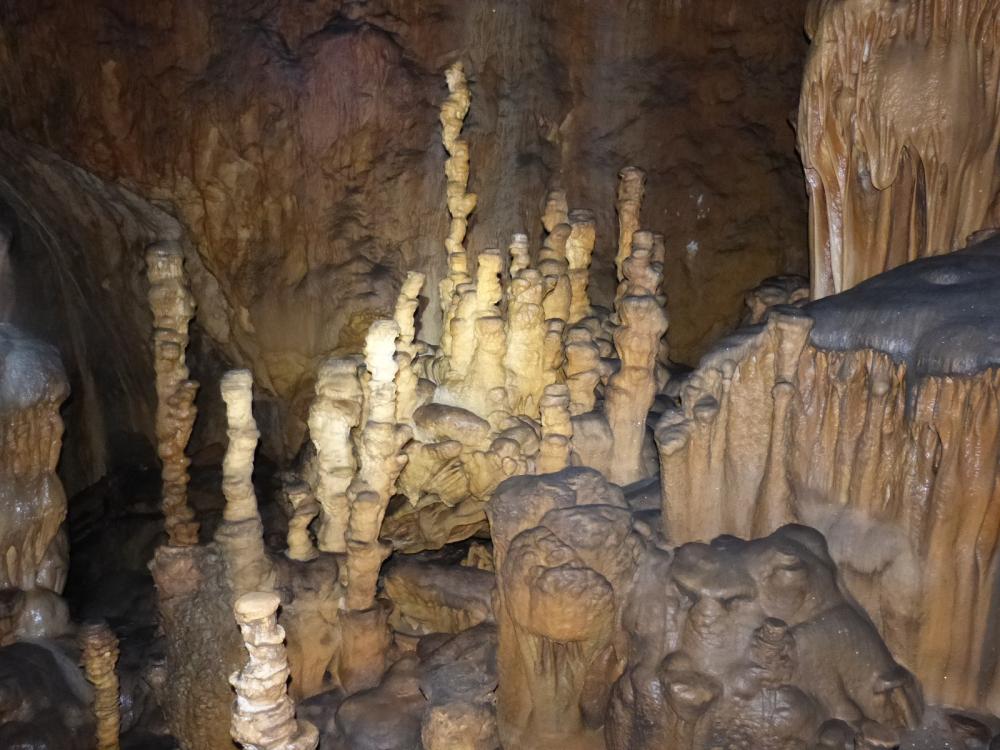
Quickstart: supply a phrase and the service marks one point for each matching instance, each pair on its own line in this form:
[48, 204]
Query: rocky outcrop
[899, 130]
[872, 416]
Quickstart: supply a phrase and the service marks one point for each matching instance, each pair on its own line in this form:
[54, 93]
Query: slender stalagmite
[525, 342]
[631, 186]
[335, 411]
[304, 509]
[173, 307]
[579, 249]
[99, 647]
[582, 369]
[557, 430]
[381, 460]
[241, 533]
[407, 379]
[263, 714]
[520, 257]
[460, 202]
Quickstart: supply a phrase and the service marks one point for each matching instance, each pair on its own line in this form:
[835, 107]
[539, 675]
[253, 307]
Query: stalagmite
[460, 202]
[304, 507]
[557, 430]
[583, 369]
[407, 377]
[899, 129]
[381, 460]
[525, 342]
[173, 308]
[99, 653]
[631, 187]
[579, 248]
[263, 714]
[556, 210]
[520, 257]
[241, 533]
[335, 412]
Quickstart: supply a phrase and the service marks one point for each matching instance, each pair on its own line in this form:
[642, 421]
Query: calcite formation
[871, 416]
[899, 127]
[33, 550]
[263, 714]
[335, 412]
[241, 533]
[173, 308]
[609, 639]
[99, 647]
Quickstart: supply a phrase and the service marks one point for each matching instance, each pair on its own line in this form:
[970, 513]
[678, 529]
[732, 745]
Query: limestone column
[241, 533]
[173, 307]
[99, 653]
[263, 714]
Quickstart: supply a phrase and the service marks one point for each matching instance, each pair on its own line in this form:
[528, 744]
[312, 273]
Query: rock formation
[173, 307]
[871, 416]
[899, 128]
[263, 714]
[241, 533]
[34, 550]
[99, 647]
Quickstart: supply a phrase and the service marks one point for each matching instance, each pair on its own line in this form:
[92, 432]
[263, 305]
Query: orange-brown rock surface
[899, 129]
[871, 416]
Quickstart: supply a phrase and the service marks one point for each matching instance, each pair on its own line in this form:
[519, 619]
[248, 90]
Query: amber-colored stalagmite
[241, 533]
[631, 187]
[894, 461]
[899, 128]
[408, 396]
[263, 714]
[99, 647]
[460, 202]
[335, 412]
[173, 307]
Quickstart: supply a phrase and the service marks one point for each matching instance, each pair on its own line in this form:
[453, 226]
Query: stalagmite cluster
[873, 417]
[173, 307]
[263, 714]
[899, 128]
[99, 647]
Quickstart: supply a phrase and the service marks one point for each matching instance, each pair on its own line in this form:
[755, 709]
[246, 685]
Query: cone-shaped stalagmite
[173, 308]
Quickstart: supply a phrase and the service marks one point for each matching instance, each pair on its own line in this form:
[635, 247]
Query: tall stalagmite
[99, 653]
[241, 533]
[173, 308]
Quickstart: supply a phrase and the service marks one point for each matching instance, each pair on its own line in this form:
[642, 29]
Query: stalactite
[173, 307]
[99, 653]
[263, 714]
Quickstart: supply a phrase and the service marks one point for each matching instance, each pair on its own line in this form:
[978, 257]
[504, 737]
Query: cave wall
[295, 146]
